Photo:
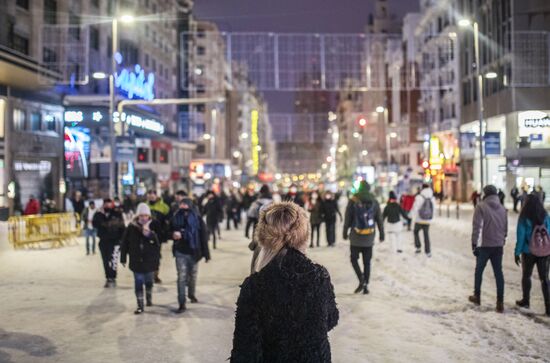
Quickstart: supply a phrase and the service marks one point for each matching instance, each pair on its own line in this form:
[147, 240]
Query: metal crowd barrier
[57, 230]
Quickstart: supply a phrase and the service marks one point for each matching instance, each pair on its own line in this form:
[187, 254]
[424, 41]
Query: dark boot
[157, 278]
[365, 289]
[149, 297]
[139, 309]
[359, 288]
[500, 307]
[474, 299]
[193, 299]
[523, 303]
[181, 309]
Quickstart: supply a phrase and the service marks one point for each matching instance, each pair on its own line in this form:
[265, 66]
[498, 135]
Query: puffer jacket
[524, 232]
[144, 251]
[491, 221]
[110, 226]
[284, 313]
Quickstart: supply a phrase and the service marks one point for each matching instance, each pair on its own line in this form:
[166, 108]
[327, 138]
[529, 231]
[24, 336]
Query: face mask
[328, 197]
[143, 220]
[293, 190]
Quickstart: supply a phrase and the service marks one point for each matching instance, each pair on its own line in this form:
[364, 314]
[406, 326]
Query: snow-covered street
[55, 309]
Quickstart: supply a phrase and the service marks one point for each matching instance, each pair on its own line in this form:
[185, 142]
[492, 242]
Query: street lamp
[206, 137]
[99, 75]
[466, 23]
[380, 109]
[113, 185]
[491, 75]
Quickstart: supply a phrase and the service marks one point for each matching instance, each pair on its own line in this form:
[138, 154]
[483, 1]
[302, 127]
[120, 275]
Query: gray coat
[491, 221]
[356, 239]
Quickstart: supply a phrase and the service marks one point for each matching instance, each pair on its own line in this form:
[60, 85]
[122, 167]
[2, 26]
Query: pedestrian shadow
[33, 345]
[103, 309]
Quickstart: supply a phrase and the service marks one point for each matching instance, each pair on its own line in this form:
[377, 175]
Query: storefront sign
[96, 116]
[254, 116]
[492, 143]
[74, 116]
[134, 83]
[42, 166]
[126, 150]
[535, 127]
[139, 122]
[468, 143]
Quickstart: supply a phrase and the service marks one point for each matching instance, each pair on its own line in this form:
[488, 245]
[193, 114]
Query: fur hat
[143, 210]
[283, 224]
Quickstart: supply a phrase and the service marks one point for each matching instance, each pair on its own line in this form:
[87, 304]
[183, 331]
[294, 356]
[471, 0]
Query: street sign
[492, 143]
[126, 150]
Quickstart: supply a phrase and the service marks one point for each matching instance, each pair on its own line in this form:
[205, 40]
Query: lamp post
[113, 182]
[384, 111]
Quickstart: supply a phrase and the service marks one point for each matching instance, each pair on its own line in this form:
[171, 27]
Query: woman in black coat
[141, 243]
[286, 309]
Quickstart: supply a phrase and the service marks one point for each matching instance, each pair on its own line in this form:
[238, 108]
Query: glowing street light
[99, 75]
[464, 23]
[364, 152]
[236, 154]
[356, 135]
[127, 18]
[393, 134]
[244, 135]
[362, 122]
[380, 109]
[206, 136]
[491, 75]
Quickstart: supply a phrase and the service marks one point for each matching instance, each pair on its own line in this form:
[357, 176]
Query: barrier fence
[57, 230]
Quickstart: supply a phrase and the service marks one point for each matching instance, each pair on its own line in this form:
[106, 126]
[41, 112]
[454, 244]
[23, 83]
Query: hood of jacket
[493, 201]
[427, 193]
[364, 196]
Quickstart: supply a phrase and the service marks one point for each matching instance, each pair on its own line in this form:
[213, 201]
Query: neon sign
[74, 116]
[139, 122]
[134, 82]
[254, 115]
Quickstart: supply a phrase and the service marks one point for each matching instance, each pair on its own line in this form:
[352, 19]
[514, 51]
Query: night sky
[308, 16]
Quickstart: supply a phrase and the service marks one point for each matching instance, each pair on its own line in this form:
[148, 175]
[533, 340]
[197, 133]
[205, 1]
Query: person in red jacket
[33, 206]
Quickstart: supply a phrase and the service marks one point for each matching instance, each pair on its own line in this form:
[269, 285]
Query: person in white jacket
[422, 214]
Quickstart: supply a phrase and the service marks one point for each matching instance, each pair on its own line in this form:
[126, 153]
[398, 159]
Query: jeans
[140, 279]
[494, 254]
[367, 256]
[187, 269]
[315, 229]
[543, 265]
[109, 254]
[425, 228]
[331, 232]
[90, 233]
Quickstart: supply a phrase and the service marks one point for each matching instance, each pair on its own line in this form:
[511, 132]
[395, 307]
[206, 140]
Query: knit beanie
[489, 190]
[143, 210]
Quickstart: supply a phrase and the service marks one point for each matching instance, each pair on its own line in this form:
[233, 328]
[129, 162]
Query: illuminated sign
[42, 166]
[133, 120]
[254, 116]
[134, 82]
[436, 157]
[535, 126]
[74, 116]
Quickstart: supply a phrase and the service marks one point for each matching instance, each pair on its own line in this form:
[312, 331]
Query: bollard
[457, 210]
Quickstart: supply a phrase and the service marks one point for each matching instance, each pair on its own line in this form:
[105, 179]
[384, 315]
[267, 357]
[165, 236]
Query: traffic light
[425, 164]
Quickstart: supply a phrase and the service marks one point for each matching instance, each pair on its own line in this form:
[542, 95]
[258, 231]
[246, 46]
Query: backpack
[426, 211]
[254, 211]
[364, 218]
[539, 244]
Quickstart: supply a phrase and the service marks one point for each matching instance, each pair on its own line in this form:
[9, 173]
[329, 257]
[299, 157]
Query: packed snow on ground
[54, 308]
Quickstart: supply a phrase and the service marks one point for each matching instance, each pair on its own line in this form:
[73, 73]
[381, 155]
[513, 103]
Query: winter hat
[489, 190]
[392, 195]
[143, 210]
[264, 189]
[188, 202]
[364, 186]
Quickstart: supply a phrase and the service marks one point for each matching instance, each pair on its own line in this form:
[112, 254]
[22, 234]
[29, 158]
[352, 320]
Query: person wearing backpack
[362, 217]
[253, 216]
[422, 213]
[490, 222]
[533, 248]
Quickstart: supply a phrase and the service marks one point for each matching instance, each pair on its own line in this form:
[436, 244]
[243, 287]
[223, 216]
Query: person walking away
[539, 192]
[78, 204]
[422, 214]
[212, 211]
[142, 245]
[253, 217]
[110, 228]
[159, 212]
[286, 309]
[32, 207]
[393, 213]
[232, 210]
[329, 210]
[190, 237]
[362, 216]
[501, 196]
[407, 202]
[315, 217]
[533, 249]
[90, 232]
[514, 193]
[490, 227]
[475, 198]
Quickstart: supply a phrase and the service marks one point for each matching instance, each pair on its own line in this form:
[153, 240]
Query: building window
[154, 61]
[163, 156]
[142, 155]
[95, 3]
[36, 121]
[20, 43]
[74, 30]
[154, 156]
[51, 123]
[201, 50]
[50, 11]
[94, 37]
[19, 118]
[23, 4]
[49, 56]
[109, 47]
[147, 30]
[146, 60]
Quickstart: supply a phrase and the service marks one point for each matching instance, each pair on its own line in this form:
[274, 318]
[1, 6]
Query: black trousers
[425, 228]
[528, 264]
[331, 232]
[109, 255]
[315, 228]
[366, 252]
[232, 217]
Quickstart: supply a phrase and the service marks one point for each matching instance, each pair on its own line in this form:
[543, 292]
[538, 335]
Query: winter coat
[296, 198]
[144, 251]
[524, 232]
[426, 193]
[160, 212]
[78, 206]
[213, 211]
[284, 313]
[109, 225]
[33, 207]
[365, 240]
[393, 212]
[88, 216]
[329, 210]
[179, 224]
[491, 220]
[315, 213]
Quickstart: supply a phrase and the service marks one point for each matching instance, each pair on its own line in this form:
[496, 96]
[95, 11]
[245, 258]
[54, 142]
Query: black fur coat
[284, 313]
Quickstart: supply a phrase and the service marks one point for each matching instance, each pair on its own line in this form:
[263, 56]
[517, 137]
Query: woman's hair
[283, 224]
[533, 209]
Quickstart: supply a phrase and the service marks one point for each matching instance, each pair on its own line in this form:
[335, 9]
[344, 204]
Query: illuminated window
[19, 118]
[142, 155]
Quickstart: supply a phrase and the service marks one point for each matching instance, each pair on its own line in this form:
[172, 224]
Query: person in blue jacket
[532, 214]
